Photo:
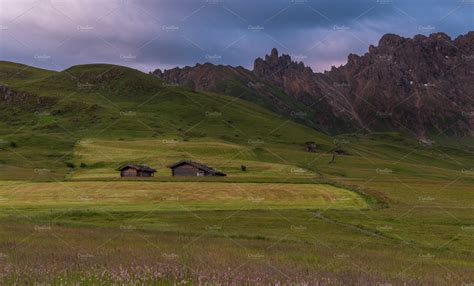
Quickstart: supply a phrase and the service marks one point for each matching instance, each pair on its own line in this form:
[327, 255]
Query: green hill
[117, 103]
[22, 74]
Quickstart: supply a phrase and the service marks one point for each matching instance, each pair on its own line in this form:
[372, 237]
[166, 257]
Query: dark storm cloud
[147, 34]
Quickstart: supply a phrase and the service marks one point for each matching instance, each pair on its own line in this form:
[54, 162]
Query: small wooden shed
[310, 146]
[190, 168]
[131, 170]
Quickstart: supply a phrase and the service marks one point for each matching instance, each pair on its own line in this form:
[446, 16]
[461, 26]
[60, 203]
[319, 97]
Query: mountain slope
[129, 95]
[424, 84]
[42, 120]
[238, 82]
[421, 86]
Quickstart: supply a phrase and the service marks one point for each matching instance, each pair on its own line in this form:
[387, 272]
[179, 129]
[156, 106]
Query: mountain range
[422, 86]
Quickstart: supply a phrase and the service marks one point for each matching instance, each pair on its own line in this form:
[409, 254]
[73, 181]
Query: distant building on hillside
[190, 168]
[130, 170]
[310, 146]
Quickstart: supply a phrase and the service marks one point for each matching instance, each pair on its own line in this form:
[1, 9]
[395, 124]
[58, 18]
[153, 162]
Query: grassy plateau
[385, 209]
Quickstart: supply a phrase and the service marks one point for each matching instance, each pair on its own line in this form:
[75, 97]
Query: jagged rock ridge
[422, 85]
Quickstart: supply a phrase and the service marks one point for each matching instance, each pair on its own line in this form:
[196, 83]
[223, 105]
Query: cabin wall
[130, 172]
[185, 170]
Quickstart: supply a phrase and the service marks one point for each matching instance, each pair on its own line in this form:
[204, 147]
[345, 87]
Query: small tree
[70, 165]
[243, 168]
[13, 144]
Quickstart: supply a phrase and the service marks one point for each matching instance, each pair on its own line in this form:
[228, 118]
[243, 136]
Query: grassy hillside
[118, 103]
[21, 74]
[371, 208]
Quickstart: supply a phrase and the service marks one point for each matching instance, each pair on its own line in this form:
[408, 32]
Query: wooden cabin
[130, 170]
[190, 168]
[310, 146]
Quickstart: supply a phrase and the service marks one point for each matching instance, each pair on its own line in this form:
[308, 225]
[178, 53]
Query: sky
[150, 34]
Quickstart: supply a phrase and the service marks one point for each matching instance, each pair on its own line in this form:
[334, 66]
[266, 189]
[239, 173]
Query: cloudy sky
[149, 34]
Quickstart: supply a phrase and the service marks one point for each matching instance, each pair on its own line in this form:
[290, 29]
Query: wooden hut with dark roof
[310, 146]
[190, 168]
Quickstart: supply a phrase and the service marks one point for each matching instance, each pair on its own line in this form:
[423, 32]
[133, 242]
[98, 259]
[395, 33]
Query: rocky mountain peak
[440, 36]
[390, 41]
[276, 65]
[274, 53]
[421, 85]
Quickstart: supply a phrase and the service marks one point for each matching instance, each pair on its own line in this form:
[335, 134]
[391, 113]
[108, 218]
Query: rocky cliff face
[423, 86]
[294, 78]
[9, 97]
[234, 81]
[310, 89]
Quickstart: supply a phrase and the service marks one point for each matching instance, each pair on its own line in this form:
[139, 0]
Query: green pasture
[366, 208]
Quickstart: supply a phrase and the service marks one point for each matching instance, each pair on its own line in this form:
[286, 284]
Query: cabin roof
[145, 168]
[196, 165]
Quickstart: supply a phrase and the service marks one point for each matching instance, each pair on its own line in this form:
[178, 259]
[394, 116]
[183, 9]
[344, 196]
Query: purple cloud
[145, 35]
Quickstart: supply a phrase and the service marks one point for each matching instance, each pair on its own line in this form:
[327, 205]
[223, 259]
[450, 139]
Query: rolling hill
[47, 113]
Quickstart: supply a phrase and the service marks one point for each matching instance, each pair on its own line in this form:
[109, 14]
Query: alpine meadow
[342, 155]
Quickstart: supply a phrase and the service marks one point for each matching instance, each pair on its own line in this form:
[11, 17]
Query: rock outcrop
[422, 85]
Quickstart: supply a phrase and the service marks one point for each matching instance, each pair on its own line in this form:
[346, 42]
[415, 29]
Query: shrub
[83, 165]
[70, 165]
[243, 168]
[13, 144]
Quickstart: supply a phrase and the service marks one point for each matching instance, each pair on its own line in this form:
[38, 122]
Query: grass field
[146, 196]
[388, 210]
[377, 221]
